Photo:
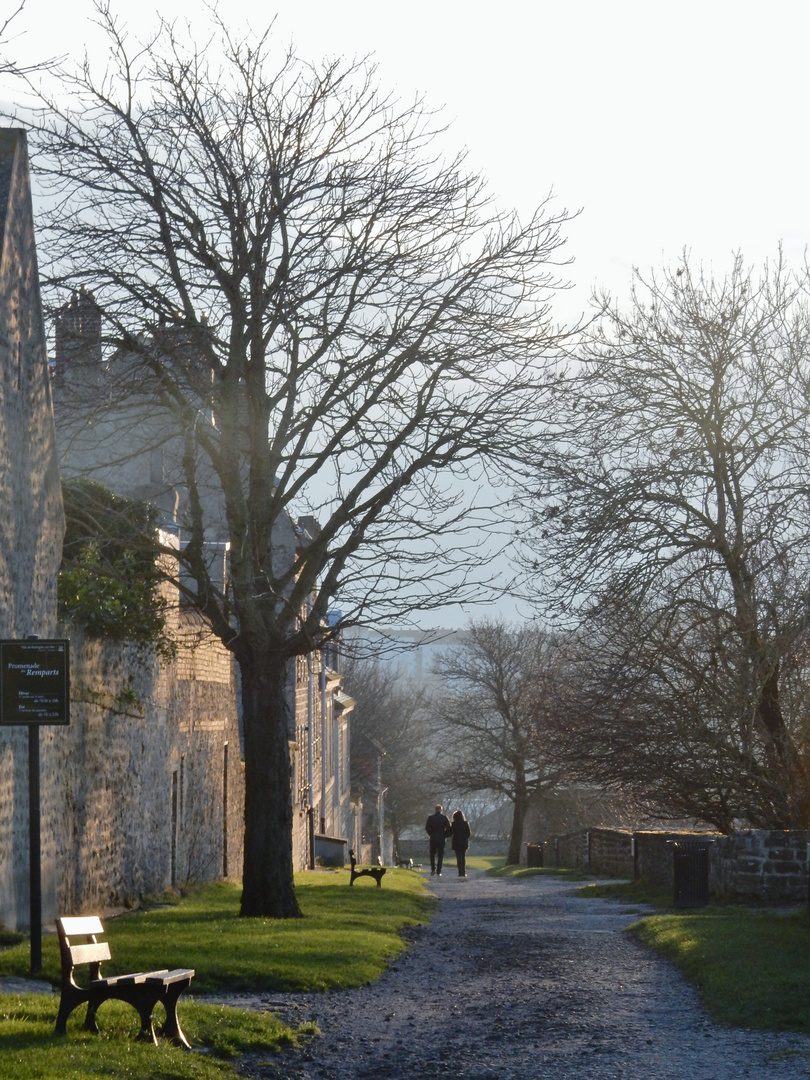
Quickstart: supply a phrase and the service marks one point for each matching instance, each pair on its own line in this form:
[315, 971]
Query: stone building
[31, 517]
[144, 788]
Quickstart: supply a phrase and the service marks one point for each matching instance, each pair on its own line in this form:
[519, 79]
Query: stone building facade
[144, 788]
[31, 516]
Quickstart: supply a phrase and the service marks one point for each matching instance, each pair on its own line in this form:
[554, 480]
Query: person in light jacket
[460, 833]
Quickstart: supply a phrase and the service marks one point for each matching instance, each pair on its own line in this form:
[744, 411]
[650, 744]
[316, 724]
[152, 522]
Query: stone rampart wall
[143, 791]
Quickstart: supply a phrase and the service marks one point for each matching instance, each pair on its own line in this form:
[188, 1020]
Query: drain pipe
[310, 763]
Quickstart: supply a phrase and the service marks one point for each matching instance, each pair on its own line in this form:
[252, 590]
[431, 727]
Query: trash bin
[534, 855]
[691, 873]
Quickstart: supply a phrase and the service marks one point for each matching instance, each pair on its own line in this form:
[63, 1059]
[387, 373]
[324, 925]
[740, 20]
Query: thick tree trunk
[790, 795]
[519, 810]
[267, 883]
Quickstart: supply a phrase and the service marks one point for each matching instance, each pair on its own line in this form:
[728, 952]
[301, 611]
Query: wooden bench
[143, 990]
[375, 872]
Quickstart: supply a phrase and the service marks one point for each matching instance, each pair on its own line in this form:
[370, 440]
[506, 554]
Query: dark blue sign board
[34, 690]
[34, 682]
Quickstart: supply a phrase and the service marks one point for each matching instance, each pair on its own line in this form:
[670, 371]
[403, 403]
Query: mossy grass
[639, 891]
[485, 862]
[513, 870]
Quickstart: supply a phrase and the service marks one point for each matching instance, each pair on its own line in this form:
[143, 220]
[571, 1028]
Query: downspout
[310, 763]
[324, 762]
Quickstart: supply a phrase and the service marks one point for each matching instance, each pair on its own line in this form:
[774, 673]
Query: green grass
[30, 1051]
[347, 938]
[513, 870]
[639, 891]
[751, 966]
[485, 862]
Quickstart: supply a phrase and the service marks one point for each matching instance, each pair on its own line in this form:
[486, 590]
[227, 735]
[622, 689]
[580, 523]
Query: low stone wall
[770, 866]
[760, 865]
[607, 851]
[653, 853]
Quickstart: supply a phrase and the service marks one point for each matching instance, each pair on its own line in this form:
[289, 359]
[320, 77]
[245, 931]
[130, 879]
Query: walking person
[460, 832]
[438, 829]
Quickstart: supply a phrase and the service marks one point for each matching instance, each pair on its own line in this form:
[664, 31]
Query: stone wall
[150, 776]
[143, 791]
[31, 517]
[771, 866]
[653, 853]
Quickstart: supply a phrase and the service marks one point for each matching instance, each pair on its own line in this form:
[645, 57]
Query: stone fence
[751, 865]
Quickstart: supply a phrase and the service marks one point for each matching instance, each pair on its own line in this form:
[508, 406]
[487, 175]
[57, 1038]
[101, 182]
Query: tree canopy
[109, 580]
[671, 523]
[337, 323]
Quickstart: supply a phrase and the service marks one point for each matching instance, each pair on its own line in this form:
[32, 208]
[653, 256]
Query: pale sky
[669, 125]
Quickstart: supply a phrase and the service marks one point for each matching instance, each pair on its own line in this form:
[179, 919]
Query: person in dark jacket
[438, 829]
[460, 831]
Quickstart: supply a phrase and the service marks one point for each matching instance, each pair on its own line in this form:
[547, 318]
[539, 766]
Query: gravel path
[519, 979]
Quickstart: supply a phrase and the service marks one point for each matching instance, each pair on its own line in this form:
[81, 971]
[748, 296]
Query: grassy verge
[515, 871]
[30, 1051]
[749, 964]
[485, 862]
[633, 892]
[347, 938]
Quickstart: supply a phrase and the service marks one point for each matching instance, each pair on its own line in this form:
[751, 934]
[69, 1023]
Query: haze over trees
[488, 716]
[391, 710]
[368, 335]
[671, 524]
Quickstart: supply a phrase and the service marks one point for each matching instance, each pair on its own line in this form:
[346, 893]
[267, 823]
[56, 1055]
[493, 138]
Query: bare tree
[363, 340]
[672, 515]
[390, 709]
[489, 713]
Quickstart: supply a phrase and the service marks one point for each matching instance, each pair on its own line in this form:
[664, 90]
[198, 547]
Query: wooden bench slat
[81, 924]
[130, 979]
[90, 954]
[177, 975]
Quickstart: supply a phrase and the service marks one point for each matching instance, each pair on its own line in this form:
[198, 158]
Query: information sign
[34, 682]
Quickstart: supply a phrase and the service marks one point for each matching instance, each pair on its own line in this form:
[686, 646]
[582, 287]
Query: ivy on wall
[109, 581]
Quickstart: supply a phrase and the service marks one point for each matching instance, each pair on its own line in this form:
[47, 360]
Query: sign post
[34, 690]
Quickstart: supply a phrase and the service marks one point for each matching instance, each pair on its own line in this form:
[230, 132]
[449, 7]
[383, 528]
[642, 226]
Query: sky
[668, 126]
[665, 126]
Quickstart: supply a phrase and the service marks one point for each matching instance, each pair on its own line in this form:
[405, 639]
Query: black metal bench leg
[171, 1029]
[90, 1019]
[147, 1032]
[66, 1007]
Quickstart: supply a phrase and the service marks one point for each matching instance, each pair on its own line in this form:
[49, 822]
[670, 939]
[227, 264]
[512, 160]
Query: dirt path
[522, 979]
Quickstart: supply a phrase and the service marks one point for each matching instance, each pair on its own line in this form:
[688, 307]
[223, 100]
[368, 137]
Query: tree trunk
[790, 797]
[519, 809]
[267, 883]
